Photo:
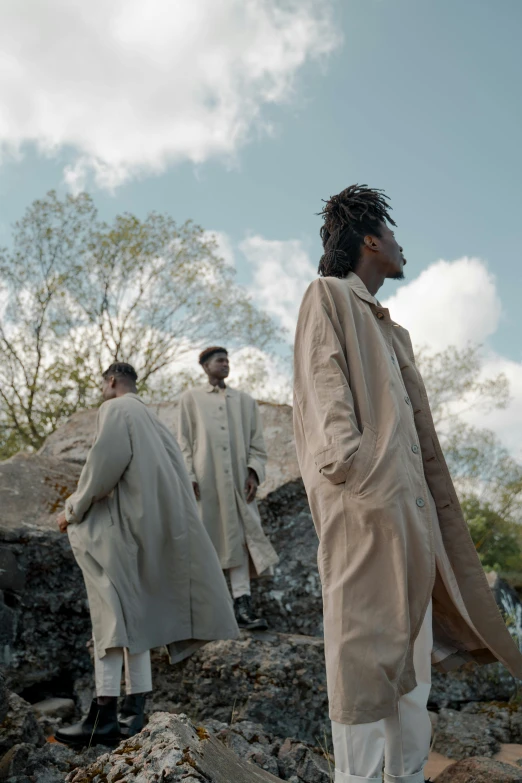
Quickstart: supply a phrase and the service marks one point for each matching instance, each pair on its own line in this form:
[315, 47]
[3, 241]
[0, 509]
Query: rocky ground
[258, 704]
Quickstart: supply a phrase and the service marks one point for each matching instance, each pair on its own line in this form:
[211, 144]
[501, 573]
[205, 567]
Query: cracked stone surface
[171, 748]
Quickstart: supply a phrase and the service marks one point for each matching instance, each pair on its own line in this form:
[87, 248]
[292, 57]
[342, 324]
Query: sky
[244, 114]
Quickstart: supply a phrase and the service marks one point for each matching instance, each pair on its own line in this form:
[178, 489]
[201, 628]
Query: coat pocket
[361, 462]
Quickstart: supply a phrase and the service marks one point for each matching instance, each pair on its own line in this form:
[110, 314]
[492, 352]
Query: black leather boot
[245, 616]
[132, 714]
[100, 727]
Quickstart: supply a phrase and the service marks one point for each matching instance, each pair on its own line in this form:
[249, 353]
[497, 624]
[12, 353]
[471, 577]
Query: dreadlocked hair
[121, 370]
[348, 217]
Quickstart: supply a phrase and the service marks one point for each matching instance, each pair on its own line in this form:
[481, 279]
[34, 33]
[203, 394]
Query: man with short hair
[150, 569]
[400, 575]
[220, 435]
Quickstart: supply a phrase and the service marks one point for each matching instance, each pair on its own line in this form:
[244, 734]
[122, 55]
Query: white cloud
[133, 86]
[457, 303]
[450, 303]
[281, 272]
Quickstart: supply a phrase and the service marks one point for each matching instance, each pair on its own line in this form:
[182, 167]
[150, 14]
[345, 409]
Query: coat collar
[358, 287]
[214, 390]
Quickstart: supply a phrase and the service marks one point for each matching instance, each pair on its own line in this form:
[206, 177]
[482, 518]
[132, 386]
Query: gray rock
[171, 749]
[277, 680]
[504, 720]
[472, 683]
[49, 764]
[289, 760]
[460, 735]
[19, 725]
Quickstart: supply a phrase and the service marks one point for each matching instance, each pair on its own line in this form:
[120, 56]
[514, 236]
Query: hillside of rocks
[263, 697]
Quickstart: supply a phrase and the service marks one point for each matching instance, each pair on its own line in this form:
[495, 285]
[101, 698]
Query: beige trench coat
[370, 458]
[151, 572]
[220, 435]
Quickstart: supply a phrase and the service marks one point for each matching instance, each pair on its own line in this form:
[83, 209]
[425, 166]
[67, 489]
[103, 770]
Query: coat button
[407, 401]
[223, 428]
[380, 316]
[415, 448]
[420, 503]
[393, 359]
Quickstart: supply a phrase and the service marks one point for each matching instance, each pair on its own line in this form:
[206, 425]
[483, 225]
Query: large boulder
[172, 749]
[33, 489]
[480, 770]
[276, 680]
[71, 442]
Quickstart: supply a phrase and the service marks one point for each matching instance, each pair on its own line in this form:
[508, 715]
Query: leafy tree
[487, 477]
[497, 540]
[79, 293]
[480, 465]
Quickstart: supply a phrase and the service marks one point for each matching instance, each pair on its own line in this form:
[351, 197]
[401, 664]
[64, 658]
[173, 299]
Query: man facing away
[151, 572]
[220, 434]
[401, 578]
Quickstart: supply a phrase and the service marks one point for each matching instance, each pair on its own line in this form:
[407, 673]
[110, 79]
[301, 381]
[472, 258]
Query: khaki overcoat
[371, 461]
[151, 572]
[221, 437]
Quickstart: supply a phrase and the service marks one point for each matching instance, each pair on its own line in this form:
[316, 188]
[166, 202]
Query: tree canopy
[79, 293]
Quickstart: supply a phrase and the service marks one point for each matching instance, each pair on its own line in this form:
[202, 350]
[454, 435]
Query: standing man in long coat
[221, 437]
[401, 578]
[151, 572]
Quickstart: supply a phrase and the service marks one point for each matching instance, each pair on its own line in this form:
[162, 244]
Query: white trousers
[107, 670]
[240, 576]
[402, 740]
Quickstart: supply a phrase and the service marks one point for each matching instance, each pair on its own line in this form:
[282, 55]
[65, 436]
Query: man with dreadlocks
[221, 437]
[401, 578]
[151, 572]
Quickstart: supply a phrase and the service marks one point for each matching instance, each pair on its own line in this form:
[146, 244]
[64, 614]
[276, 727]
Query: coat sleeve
[106, 463]
[186, 435]
[322, 385]
[257, 451]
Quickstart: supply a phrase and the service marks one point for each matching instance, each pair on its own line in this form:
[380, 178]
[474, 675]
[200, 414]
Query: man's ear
[112, 381]
[370, 242]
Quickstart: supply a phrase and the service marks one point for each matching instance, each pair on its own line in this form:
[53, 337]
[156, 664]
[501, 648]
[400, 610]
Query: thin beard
[398, 276]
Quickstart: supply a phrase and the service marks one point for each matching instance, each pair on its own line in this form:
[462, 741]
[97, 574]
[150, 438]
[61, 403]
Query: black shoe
[132, 714]
[245, 616]
[100, 727]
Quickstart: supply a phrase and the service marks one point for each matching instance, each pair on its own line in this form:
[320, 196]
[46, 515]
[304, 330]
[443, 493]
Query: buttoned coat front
[150, 569]
[370, 459]
[221, 437]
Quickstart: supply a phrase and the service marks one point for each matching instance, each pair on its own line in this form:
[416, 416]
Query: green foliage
[82, 294]
[498, 541]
